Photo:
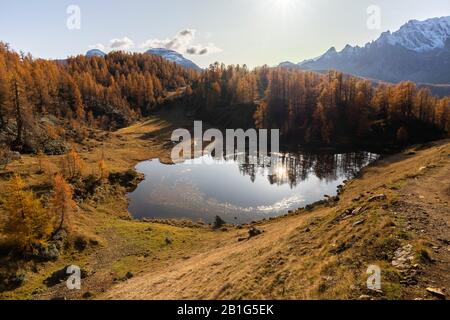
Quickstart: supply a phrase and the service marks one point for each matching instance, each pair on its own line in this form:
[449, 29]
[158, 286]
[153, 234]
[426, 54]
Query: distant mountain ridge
[174, 56]
[420, 36]
[419, 51]
[167, 54]
[95, 53]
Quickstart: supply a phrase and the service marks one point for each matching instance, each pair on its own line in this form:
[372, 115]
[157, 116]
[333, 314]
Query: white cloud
[182, 43]
[202, 50]
[121, 44]
[178, 43]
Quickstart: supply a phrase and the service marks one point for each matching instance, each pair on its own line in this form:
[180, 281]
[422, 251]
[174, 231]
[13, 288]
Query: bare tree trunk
[19, 117]
[61, 225]
[2, 119]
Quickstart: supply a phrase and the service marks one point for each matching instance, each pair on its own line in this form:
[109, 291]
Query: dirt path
[425, 208]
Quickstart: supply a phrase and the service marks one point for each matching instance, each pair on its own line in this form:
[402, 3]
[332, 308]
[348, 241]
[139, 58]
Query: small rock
[50, 252]
[80, 243]
[169, 241]
[437, 293]
[15, 155]
[357, 223]
[12, 281]
[364, 297]
[87, 295]
[253, 232]
[129, 275]
[62, 298]
[379, 197]
[358, 210]
[403, 257]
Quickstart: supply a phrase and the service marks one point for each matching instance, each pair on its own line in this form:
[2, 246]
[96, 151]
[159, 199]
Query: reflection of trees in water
[295, 168]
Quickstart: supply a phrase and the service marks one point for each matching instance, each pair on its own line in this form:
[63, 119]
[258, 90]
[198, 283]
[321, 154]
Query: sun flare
[284, 7]
[284, 4]
[281, 172]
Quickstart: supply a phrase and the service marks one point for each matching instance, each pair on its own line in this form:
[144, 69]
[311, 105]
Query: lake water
[239, 191]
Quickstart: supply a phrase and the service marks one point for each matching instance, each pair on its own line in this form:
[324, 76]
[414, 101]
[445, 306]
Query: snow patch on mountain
[420, 36]
[173, 56]
[419, 51]
[95, 53]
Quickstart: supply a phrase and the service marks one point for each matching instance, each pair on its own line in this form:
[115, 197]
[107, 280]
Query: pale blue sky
[254, 32]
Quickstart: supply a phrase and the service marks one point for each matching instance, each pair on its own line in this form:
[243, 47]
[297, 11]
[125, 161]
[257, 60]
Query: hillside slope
[395, 215]
[322, 252]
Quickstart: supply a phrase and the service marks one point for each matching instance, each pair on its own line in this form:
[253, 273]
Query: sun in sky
[284, 8]
[284, 5]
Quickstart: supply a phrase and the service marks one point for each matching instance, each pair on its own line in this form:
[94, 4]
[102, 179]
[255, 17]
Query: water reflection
[294, 168]
[240, 190]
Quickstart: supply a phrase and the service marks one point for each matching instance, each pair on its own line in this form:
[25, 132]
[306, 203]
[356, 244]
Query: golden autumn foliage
[86, 89]
[318, 107]
[4, 93]
[53, 132]
[115, 90]
[62, 204]
[103, 170]
[4, 157]
[73, 165]
[27, 224]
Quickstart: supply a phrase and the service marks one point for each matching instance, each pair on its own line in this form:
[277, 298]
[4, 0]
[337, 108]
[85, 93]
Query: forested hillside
[42, 100]
[312, 108]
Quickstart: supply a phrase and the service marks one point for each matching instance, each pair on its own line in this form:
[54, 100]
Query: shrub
[218, 223]
[72, 165]
[61, 202]
[28, 224]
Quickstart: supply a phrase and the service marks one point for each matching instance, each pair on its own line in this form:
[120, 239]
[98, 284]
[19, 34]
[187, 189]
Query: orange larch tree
[62, 204]
[27, 223]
